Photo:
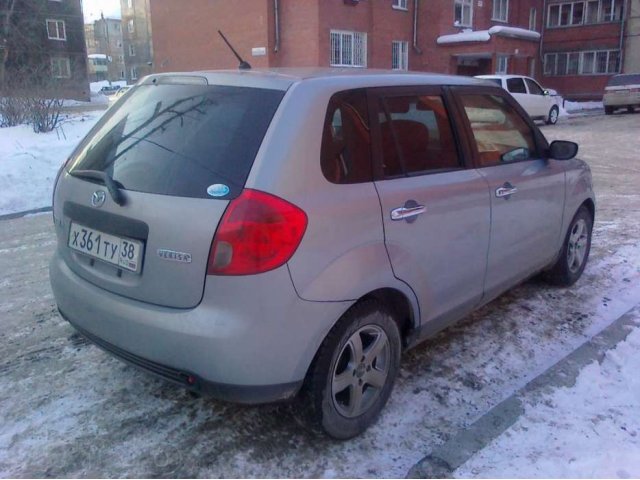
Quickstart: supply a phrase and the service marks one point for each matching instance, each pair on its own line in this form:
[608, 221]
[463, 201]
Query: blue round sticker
[218, 190]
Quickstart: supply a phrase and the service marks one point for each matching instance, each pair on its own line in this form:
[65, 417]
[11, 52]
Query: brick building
[42, 41]
[582, 45]
[367, 33]
[466, 37]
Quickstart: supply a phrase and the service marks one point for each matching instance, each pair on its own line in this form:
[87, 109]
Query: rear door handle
[506, 190]
[404, 213]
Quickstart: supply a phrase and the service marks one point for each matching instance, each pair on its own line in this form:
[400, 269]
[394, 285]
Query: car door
[435, 211]
[540, 102]
[527, 190]
[517, 88]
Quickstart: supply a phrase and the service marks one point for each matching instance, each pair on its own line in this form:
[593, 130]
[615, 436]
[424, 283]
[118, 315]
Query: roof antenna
[243, 65]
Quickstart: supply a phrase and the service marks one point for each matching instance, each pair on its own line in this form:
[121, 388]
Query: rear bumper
[251, 340]
[617, 100]
[222, 391]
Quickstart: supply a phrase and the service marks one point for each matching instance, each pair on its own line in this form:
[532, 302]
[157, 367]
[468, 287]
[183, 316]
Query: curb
[446, 458]
[13, 216]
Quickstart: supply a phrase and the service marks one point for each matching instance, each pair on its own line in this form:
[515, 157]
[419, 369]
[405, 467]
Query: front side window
[345, 155]
[462, 13]
[416, 136]
[179, 139]
[400, 55]
[500, 10]
[56, 30]
[534, 88]
[501, 135]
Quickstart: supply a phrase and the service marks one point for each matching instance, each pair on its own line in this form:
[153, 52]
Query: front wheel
[608, 110]
[552, 118]
[575, 251]
[354, 371]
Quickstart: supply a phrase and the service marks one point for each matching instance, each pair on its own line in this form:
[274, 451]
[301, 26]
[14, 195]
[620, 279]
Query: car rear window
[183, 140]
[618, 80]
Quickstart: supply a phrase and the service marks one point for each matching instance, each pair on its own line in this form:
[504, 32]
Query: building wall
[29, 47]
[580, 38]
[104, 36]
[632, 39]
[138, 12]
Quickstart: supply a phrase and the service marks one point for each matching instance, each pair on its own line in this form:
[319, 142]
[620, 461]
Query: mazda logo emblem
[98, 198]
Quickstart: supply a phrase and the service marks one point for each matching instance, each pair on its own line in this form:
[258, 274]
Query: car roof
[501, 76]
[283, 78]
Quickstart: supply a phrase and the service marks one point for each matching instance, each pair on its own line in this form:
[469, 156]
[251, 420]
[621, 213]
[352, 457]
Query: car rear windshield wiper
[105, 178]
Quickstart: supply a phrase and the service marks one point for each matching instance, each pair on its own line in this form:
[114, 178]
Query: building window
[132, 50]
[60, 67]
[122, 74]
[348, 49]
[56, 30]
[130, 3]
[462, 13]
[500, 10]
[134, 73]
[533, 17]
[600, 62]
[587, 12]
[400, 4]
[400, 55]
[502, 64]
[130, 26]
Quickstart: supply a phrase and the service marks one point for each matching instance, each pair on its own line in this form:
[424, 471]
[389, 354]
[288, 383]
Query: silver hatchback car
[258, 235]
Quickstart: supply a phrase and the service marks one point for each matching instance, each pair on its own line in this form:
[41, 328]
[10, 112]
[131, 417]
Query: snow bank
[469, 35]
[579, 106]
[29, 162]
[591, 430]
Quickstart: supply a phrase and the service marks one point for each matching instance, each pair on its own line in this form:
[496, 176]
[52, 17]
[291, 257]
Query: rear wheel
[354, 371]
[575, 251]
[630, 109]
[608, 110]
[552, 118]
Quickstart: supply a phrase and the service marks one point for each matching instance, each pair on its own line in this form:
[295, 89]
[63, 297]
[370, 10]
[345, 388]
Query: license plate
[123, 252]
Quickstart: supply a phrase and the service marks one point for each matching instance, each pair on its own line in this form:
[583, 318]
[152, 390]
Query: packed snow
[468, 35]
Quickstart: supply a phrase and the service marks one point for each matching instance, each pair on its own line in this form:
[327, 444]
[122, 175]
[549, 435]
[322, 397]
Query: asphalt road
[70, 410]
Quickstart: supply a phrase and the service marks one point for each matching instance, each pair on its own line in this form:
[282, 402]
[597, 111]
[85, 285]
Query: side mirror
[546, 93]
[563, 150]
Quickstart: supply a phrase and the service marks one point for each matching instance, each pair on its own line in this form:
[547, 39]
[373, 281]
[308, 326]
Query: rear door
[527, 190]
[436, 212]
[517, 88]
[179, 150]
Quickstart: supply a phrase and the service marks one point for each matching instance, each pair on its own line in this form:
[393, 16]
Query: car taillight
[258, 232]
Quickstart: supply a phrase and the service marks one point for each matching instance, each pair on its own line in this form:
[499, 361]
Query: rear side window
[345, 155]
[619, 80]
[416, 136]
[516, 85]
[500, 133]
[183, 140]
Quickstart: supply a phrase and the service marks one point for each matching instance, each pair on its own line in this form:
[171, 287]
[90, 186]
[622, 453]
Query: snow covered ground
[29, 162]
[70, 410]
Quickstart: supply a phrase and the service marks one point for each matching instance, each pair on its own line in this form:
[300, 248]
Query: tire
[552, 118]
[343, 395]
[575, 251]
[608, 110]
[630, 109]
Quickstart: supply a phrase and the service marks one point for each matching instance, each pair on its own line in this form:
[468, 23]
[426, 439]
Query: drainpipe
[623, 22]
[542, 29]
[415, 27]
[277, 25]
